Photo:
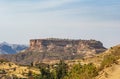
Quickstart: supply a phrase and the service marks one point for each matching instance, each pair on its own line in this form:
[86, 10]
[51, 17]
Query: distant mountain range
[6, 48]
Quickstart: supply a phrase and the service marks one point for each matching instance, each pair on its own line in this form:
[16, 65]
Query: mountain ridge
[6, 48]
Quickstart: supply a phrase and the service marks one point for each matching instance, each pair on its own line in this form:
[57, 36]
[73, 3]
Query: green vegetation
[107, 61]
[82, 72]
[60, 71]
[57, 73]
[78, 71]
[45, 73]
[111, 58]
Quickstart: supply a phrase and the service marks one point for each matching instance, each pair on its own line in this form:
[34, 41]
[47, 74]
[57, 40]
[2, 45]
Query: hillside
[108, 63]
[46, 50]
[112, 70]
[8, 70]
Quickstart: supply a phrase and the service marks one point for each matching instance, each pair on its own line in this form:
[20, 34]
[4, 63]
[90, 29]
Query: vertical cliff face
[64, 45]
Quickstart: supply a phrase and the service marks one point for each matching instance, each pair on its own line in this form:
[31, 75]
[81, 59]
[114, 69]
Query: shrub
[61, 70]
[45, 73]
[82, 72]
[108, 60]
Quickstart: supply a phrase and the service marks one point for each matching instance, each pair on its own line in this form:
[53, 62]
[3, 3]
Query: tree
[87, 71]
[45, 73]
[61, 70]
[108, 60]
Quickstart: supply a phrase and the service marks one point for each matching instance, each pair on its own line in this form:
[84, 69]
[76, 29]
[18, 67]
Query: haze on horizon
[21, 20]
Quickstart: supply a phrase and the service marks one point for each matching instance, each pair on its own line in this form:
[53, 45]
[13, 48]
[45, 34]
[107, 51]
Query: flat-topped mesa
[66, 45]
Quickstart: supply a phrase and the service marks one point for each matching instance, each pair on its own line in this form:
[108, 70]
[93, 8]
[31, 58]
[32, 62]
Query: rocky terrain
[46, 50]
[66, 45]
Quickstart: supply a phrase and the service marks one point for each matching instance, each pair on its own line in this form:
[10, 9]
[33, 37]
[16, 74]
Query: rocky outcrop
[65, 45]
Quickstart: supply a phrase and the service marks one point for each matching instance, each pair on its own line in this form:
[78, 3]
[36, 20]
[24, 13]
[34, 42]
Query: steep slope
[112, 72]
[112, 68]
[6, 48]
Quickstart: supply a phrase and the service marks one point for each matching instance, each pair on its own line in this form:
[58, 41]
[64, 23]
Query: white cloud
[31, 6]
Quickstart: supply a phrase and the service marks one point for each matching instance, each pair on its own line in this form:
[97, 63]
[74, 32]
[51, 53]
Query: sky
[22, 20]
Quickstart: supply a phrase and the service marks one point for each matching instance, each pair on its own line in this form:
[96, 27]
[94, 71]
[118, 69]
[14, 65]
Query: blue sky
[21, 20]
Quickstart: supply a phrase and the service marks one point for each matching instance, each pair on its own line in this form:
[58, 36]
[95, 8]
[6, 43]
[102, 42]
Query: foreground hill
[111, 63]
[102, 66]
[107, 63]
[6, 48]
[46, 50]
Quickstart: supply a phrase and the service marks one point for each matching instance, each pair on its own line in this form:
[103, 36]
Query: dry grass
[19, 71]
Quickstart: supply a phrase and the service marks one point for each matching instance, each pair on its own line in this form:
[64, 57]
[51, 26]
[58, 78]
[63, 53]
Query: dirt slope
[112, 72]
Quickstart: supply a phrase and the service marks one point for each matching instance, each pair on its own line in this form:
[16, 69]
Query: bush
[61, 70]
[87, 71]
[108, 60]
[82, 72]
[56, 73]
[45, 73]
